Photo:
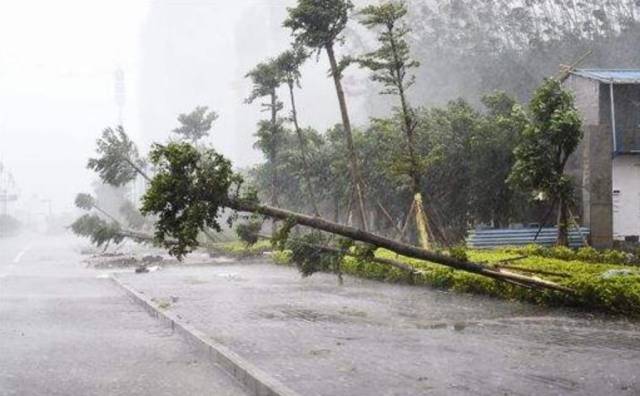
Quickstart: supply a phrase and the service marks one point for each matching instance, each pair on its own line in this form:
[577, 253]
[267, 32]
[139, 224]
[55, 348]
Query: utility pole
[119, 93]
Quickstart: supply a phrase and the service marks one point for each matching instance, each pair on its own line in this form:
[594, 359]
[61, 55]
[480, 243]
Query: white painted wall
[626, 196]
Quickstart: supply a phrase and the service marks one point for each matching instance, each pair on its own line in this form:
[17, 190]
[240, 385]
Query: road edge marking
[256, 381]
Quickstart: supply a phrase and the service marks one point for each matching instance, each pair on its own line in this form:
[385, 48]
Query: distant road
[65, 331]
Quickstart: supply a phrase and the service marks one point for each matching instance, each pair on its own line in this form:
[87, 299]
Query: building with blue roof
[607, 162]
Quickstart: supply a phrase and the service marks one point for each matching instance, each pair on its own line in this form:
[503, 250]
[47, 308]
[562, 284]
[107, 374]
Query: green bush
[586, 254]
[240, 248]
[617, 293]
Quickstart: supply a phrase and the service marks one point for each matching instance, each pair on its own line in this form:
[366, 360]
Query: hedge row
[606, 287]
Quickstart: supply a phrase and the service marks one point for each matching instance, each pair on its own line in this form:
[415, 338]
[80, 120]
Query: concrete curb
[256, 381]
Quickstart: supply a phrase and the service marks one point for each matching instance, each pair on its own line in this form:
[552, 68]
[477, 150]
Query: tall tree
[390, 65]
[197, 124]
[266, 79]
[548, 141]
[492, 199]
[289, 63]
[318, 25]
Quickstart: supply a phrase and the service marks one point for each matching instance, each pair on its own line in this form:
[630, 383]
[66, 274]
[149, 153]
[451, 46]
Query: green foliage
[360, 250]
[197, 124]
[85, 201]
[249, 232]
[318, 23]
[187, 194]
[99, 231]
[618, 294]
[391, 62]
[281, 237]
[132, 215]
[266, 78]
[459, 253]
[584, 254]
[464, 157]
[309, 256]
[446, 139]
[240, 248]
[118, 158]
[550, 138]
[270, 137]
[492, 200]
[288, 64]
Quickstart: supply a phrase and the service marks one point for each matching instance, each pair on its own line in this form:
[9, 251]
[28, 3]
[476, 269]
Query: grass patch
[609, 287]
[599, 286]
[240, 249]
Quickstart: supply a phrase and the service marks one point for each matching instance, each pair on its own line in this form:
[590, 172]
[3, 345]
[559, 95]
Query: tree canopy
[549, 139]
[188, 192]
[119, 160]
[318, 23]
[197, 124]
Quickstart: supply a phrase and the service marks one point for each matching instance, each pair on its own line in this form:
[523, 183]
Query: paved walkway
[369, 338]
[65, 331]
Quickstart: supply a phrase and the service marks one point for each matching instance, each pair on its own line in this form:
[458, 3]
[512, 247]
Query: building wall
[626, 196]
[597, 179]
[587, 98]
[591, 165]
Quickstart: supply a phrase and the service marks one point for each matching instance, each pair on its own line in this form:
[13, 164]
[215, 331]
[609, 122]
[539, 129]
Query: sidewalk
[369, 338]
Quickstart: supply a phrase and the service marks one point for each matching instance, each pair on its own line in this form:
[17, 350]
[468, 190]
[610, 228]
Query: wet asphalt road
[370, 338]
[65, 330]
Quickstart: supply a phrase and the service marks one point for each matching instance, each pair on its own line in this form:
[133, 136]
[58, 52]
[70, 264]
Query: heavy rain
[319, 197]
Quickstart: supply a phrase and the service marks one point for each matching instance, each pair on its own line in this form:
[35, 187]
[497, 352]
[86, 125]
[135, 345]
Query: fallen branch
[394, 246]
[532, 271]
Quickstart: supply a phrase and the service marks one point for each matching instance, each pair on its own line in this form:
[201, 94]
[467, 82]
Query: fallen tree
[192, 186]
[392, 245]
[102, 233]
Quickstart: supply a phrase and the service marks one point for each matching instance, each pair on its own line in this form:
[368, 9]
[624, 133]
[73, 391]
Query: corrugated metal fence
[491, 238]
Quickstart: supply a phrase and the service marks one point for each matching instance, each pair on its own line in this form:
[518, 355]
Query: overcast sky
[57, 86]
[57, 64]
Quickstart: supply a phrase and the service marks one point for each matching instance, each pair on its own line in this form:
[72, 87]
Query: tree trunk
[563, 224]
[346, 123]
[409, 126]
[137, 169]
[104, 212]
[390, 244]
[274, 155]
[303, 151]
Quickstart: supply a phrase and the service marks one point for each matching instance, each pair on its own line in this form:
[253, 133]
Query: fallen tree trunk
[136, 235]
[393, 263]
[392, 245]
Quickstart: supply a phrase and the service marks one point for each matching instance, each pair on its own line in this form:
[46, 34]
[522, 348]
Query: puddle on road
[300, 314]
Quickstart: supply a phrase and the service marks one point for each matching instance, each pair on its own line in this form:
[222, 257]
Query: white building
[607, 163]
